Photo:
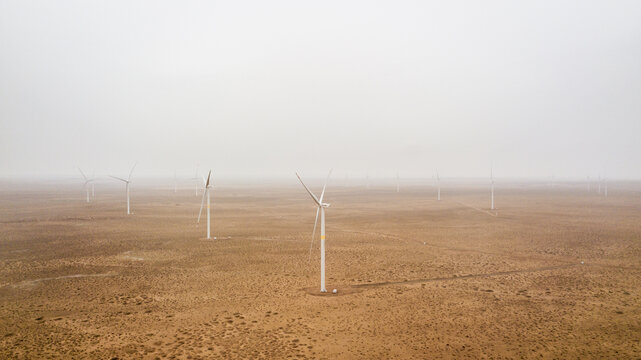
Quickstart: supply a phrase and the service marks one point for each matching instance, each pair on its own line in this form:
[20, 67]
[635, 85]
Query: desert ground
[554, 272]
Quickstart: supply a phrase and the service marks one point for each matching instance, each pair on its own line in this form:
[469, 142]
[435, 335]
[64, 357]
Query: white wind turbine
[206, 195]
[87, 182]
[175, 182]
[320, 208]
[438, 184]
[589, 186]
[492, 188]
[196, 180]
[126, 185]
[93, 181]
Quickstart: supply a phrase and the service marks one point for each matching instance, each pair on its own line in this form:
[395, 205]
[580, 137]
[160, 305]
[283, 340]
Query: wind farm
[320, 180]
[438, 272]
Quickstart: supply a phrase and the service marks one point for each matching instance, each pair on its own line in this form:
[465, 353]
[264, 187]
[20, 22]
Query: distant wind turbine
[86, 184]
[398, 183]
[492, 187]
[320, 208]
[196, 180]
[589, 184]
[126, 185]
[438, 184]
[207, 185]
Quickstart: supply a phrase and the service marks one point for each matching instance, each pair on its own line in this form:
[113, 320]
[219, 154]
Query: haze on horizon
[251, 88]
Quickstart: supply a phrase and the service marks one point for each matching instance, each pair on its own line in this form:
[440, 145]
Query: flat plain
[554, 272]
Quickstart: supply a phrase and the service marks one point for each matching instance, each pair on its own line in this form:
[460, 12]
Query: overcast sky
[248, 88]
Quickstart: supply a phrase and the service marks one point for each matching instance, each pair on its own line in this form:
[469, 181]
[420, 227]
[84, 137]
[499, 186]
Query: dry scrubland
[416, 278]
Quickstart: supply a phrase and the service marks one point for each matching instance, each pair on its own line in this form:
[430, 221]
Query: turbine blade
[117, 178]
[313, 234]
[83, 174]
[309, 191]
[324, 186]
[132, 171]
[202, 203]
[208, 177]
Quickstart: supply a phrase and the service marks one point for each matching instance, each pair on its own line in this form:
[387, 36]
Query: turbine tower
[93, 188]
[398, 183]
[126, 185]
[206, 195]
[589, 185]
[196, 180]
[320, 209]
[438, 184]
[492, 188]
[86, 184]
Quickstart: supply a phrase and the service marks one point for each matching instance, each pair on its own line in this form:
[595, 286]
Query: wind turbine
[206, 195]
[492, 187]
[438, 184]
[589, 185]
[126, 185]
[195, 178]
[175, 182]
[599, 182]
[87, 182]
[320, 208]
[398, 183]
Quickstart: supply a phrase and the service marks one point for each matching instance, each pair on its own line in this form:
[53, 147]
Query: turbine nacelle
[87, 180]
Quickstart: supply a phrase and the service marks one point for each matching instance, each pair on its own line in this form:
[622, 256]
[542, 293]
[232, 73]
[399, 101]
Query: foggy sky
[264, 88]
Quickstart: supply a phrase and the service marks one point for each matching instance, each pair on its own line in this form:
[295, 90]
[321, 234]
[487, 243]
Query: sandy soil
[554, 273]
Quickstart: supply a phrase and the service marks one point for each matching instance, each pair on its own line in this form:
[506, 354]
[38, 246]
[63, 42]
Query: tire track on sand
[464, 277]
